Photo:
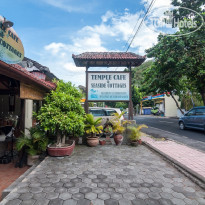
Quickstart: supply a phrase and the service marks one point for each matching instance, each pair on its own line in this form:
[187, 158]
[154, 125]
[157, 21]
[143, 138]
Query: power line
[148, 10]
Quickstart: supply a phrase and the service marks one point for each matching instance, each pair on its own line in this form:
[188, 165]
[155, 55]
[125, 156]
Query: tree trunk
[203, 97]
[63, 140]
[177, 104]
[58, 143]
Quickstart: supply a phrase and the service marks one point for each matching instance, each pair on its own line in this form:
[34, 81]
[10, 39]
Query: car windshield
[110, 112]
[96, 112]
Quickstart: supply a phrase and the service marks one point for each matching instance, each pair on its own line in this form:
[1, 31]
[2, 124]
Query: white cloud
[113, 28]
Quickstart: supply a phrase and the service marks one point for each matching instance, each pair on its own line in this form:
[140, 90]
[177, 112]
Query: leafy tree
[179, 65]
[62, 113]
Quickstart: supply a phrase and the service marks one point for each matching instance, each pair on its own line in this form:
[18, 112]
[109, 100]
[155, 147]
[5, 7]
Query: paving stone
[178, 195]
[14, 202]
[28, 202]
[25, 196]
[70, 202]
[69, 185]
[52, 195]
[165, 202]
[152, 202]
[91, 196]
[109, 190]
[114, 185]
[48, 189]
[97, 202]
[85, 190]
[144, 189]
[124, 202]
[129, 196]
[65, 196]
[104, 196]
[36, 190]
[120, 190]
[111, 202]
[154, 195]
[61, 190]
[135, 185]
[56, 202]
[102, 185]
[97, 180]
[141, 195]
[84, 202]
[41, 201]
[101, 176]
[178, 201]
[138, 202]
[78, 196]
[116, 196]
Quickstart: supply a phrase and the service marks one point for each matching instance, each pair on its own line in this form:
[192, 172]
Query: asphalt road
[168, 128]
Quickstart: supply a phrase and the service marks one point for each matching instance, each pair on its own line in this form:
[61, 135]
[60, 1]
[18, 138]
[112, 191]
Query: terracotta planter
[61, 151]
[102, 142]
[32, 159]
[118, 138]
[92, 141]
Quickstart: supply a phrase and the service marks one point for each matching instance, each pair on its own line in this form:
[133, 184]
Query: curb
[197, 178]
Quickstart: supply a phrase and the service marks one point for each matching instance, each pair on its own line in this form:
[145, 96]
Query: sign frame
[101, 72]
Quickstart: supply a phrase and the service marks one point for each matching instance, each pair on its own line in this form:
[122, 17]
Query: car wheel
[181, 126]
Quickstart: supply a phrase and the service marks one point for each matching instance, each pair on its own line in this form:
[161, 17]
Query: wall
[170, 106]
[28, 115]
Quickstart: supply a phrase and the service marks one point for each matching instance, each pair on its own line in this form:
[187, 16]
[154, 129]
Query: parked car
[195, 119]
[105, 113]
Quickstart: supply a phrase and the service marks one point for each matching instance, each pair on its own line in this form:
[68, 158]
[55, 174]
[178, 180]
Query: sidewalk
[188, 158]
[106, 175]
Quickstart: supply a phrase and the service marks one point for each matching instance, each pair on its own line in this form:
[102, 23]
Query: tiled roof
[108, 55]
[26, 74]
[108, 59]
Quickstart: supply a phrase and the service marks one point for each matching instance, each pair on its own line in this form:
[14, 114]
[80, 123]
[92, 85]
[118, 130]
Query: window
[200, 111]
[191, 112]
[110, 112]
[97, 112]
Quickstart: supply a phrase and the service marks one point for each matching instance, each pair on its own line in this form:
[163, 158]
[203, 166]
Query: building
[166, 104]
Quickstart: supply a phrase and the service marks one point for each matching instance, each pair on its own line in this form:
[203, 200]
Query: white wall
[28, 115]
[170, 106]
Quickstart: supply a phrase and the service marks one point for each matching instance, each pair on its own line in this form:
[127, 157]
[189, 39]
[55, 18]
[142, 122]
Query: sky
[52, 30]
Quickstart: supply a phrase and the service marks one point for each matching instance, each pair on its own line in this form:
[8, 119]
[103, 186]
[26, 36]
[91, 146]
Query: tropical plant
[35, 143]
[62, 113]
[134, 132]
[92, 126]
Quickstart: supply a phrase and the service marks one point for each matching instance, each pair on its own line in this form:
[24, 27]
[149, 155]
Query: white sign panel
[108, 86]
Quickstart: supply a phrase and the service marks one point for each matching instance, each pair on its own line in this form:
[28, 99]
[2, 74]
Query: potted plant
[118, 128]
[92, 128]
[35, 144]
[135, 134]
[62, 115]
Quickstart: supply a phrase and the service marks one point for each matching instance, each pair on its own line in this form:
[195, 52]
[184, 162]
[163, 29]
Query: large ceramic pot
[61, 151]
[118, 138]
[92, 141]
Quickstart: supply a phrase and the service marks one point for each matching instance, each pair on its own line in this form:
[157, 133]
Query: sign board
[30, 92]
[11, 48]
[108, 86]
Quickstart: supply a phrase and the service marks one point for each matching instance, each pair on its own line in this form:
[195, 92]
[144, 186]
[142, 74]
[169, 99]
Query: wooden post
[86, 100]
[130, 117]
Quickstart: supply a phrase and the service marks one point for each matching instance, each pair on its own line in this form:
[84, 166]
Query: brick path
[106, 175]
[8, 174]
[189, 158]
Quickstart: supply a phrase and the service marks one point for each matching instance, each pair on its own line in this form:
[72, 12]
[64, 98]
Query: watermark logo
[165, 21]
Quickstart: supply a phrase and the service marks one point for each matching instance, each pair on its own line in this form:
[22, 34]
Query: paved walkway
[106, 175]
[190, 159]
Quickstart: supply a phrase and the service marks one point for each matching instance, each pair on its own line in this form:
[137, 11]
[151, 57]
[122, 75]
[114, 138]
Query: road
[168, 128]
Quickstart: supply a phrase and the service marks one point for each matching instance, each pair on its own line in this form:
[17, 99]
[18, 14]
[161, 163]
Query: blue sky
[52, 30]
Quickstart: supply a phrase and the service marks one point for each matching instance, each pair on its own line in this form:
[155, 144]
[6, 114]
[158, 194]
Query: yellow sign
[11, 47]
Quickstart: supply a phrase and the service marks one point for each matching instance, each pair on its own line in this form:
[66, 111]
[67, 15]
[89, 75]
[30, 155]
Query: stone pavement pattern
[190, 158]
[106, 175]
